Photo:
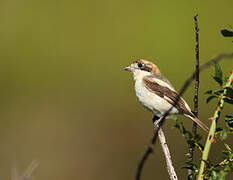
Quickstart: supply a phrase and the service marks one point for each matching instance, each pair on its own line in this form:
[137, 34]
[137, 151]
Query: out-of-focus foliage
[65, 98]
[191, 139]
[220, 170]
[217, 167]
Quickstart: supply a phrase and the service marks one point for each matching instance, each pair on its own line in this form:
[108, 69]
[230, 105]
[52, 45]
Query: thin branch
[149, 149]
[166, 152]
[194, 130]
[27, 173]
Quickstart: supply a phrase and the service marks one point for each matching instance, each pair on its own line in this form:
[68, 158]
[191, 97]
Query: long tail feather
[199, 123]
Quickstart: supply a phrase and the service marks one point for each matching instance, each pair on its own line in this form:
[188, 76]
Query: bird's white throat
[138, 74]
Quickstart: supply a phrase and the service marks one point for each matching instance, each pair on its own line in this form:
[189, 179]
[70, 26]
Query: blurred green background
[65, 99]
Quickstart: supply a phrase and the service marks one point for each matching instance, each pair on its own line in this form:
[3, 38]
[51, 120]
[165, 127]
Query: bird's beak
[128, 68]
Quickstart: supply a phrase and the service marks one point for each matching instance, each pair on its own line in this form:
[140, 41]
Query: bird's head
[141, 66]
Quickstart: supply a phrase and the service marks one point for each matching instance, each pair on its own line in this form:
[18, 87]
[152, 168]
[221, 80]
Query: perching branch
[166, 152]
[194, 130]
[149, 149]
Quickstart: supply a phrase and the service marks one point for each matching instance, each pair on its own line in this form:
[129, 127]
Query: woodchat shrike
[156, 93]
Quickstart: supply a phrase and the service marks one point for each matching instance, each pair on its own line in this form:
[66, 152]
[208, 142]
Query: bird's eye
[139, 65]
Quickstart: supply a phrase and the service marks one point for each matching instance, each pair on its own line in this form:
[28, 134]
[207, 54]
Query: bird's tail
[199, 122]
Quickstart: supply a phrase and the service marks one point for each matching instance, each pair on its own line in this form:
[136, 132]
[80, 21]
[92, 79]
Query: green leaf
[191, 165]
[209, 92]
[218, 130]
[227, 33]
[223, 134]
[230, 101]
[215, 92]
[207, 163]
[218, 73]
[210, 98]
[218, 80]
[229, 122]
[222, 175]
[227, 147]
[199, 146]
[226, 153]
[229, 92]
[213, 175]
[218, 92]
[225, 80]
[191, 142]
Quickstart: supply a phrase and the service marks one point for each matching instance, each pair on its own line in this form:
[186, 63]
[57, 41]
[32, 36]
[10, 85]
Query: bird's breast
[150, 100]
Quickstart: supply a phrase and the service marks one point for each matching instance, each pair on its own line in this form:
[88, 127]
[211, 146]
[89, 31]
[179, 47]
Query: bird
[156, 93]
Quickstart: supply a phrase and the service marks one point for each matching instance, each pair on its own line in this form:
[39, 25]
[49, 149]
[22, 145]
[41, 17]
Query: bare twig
[27, 173]
[166, 152]
[149, 149]
[194, 130]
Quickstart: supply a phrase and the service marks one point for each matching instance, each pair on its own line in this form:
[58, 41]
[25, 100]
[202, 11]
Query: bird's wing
[161, 80]
[163, 88]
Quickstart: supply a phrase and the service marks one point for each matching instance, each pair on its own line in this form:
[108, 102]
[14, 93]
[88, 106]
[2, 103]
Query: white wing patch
[162, 83]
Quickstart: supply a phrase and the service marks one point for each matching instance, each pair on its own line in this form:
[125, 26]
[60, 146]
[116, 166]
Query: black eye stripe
[146, 68]
[140, 65]
[143, 67]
